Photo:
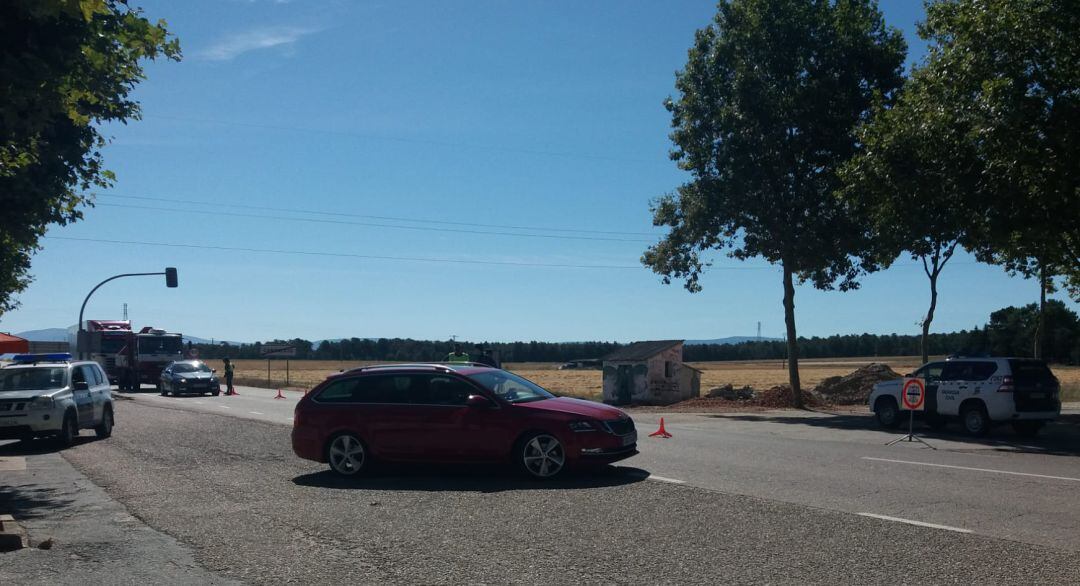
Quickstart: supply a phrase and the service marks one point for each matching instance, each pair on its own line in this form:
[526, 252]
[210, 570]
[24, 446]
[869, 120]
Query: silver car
[49, 395]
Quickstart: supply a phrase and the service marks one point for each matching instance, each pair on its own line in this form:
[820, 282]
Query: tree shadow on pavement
[476, 478]
[1060, 438]
[39, 446]
[30, 502]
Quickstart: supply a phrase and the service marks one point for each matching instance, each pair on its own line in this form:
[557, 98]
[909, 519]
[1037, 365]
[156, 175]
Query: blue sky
[457, 118]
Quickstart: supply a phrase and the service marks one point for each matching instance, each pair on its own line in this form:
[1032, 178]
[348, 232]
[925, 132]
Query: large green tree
[766, 113]
[66, 66]
[911, 182]
[1014, 71]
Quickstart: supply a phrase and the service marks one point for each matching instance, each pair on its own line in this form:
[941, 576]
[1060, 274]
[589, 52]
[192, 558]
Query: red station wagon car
[454, 413]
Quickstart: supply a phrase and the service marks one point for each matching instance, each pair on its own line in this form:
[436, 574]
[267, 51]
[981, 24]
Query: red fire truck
[129, 358]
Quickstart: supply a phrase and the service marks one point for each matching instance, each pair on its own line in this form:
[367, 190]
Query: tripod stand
[911, 437]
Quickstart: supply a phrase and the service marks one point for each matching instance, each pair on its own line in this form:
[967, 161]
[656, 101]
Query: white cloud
[253, 40]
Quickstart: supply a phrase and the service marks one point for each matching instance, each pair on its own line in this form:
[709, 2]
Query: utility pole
[759, 331]
[125, 312]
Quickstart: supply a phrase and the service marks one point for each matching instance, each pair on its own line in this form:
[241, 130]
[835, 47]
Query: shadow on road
[39, 446]
[30, 502]
[1061, 438]
[483, 479]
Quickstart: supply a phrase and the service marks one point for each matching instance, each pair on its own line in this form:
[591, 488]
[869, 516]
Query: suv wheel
[104, 429]
[976, 421]
[346, 455]
[69, 430]
[887, 412]
[542, 456]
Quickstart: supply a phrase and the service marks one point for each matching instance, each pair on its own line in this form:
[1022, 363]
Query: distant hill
[46, 335]
[731, 340]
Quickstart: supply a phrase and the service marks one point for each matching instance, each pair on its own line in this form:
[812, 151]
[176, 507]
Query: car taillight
[1006, 385]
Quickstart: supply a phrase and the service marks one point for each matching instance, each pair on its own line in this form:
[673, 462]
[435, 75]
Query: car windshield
[160, 345]
[31, 379]
[510, 387]
[189, 367]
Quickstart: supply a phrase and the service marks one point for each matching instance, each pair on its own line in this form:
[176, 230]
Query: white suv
[48, 395]
[980, 392]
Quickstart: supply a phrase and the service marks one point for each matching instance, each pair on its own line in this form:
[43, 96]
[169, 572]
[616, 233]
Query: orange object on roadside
[660, 432]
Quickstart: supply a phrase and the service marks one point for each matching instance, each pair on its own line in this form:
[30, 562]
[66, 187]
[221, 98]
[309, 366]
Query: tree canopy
[768, 103]
[67, 66]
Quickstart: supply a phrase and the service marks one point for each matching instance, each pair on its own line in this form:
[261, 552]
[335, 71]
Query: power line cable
[440, 143]
[374, 257]
[373, 217]
[370, 224]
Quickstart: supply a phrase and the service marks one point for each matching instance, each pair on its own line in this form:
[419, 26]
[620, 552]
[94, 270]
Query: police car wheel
[69, 430]
[887, 412]
[976, 421]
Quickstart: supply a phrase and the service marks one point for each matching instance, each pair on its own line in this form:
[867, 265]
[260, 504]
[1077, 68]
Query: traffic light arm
[170, 276]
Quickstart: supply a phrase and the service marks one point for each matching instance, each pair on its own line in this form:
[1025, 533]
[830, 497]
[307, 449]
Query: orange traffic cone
[660, 432]
[279, 395]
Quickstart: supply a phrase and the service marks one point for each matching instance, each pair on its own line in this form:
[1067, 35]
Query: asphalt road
[730, 500]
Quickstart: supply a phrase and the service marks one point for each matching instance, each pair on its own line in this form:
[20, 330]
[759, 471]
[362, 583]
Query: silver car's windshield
[31, 379]
[511, 387]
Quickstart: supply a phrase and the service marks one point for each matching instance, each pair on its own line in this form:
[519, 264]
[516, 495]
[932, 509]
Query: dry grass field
[304, 374]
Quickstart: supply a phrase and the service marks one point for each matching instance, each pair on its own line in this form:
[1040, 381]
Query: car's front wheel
[346, 455]
[69, 430]
[542, 456]
[887, 412]
[104, 429]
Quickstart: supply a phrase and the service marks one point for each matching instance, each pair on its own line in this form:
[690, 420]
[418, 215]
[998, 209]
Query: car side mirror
[478, 402]
[213, 371]
[82, 386]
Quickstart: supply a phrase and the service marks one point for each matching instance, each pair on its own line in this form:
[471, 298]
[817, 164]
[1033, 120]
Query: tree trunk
[792, 345]
[929, 319]
[1040, 328]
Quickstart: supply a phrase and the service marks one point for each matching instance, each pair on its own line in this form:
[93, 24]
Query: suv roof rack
[441, 366]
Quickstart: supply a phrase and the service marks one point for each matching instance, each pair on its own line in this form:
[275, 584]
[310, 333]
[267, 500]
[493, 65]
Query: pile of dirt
[855, 388]
[781, 397]
[729, 392]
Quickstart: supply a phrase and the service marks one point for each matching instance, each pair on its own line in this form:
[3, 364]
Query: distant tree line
[1010, 332]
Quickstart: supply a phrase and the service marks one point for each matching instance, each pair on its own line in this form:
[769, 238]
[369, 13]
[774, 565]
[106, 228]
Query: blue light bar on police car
[54, 357]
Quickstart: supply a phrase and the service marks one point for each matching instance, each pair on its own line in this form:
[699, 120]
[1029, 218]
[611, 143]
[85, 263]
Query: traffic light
[170, 277]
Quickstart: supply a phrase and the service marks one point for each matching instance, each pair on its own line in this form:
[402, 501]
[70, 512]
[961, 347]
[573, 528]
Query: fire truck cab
[144, 355]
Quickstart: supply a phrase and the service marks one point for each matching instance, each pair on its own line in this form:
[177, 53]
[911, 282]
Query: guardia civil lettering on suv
[49, 395]
[979, 393]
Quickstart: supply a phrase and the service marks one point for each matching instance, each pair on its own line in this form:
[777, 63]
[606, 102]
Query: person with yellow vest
[457, 355]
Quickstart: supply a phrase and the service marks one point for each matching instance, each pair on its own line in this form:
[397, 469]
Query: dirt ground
[304, 374]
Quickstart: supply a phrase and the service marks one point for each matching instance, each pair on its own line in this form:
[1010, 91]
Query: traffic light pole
[170, 281]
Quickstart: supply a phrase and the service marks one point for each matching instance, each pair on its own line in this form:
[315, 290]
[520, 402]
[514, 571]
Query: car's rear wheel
[346, 455]
[542, 456]
[976, 421]
[104, 429]
[887, 412]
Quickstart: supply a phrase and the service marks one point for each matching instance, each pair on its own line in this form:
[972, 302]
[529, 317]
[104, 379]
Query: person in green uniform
[229, 368]
[457, 355]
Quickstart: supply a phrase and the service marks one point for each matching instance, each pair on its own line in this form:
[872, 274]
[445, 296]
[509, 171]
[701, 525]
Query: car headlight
[183, 381]
[42, 404]
[581, 426]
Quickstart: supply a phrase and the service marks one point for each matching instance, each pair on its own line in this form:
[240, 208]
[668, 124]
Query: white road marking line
[973, 469]
[918, 523]
[199, 402]
[665, 479]
[224, 406]
[255, 413]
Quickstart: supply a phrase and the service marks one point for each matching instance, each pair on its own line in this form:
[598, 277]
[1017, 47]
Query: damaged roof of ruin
[642, 350]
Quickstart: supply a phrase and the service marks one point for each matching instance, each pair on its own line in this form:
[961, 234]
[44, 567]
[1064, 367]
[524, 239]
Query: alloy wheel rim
[974, 421]
[544, 456]
[346, 454]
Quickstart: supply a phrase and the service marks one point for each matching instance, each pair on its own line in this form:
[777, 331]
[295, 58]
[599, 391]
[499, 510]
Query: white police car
[980, 392]
[49, 395]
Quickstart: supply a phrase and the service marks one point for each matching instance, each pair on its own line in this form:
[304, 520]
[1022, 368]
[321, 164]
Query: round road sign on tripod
[913, 395]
